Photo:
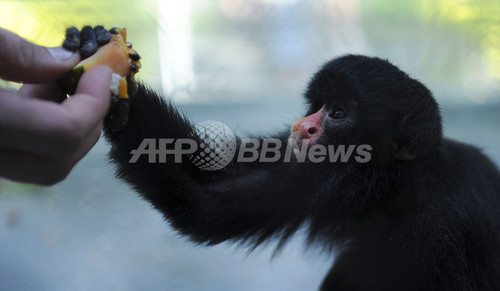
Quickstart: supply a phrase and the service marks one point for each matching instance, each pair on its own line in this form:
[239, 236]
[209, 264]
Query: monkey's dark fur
[429, 221]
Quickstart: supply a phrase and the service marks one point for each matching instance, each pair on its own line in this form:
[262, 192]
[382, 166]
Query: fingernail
[61, 54]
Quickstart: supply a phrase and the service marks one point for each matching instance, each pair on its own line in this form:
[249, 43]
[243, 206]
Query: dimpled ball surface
[217, 146]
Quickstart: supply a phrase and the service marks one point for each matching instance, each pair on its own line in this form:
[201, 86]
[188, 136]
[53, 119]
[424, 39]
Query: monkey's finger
[103, 36]
[88, 42]
[72, 39]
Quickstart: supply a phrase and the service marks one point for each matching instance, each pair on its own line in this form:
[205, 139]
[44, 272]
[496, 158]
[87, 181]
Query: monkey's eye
[338, 114]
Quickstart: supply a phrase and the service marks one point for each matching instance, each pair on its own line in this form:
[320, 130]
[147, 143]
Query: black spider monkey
[422, 214]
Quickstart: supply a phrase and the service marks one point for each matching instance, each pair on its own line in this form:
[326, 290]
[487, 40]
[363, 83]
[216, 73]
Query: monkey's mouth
[297, 143]
[297, 140]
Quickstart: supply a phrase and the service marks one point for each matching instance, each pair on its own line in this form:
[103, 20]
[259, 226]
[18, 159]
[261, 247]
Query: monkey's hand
[98, 46]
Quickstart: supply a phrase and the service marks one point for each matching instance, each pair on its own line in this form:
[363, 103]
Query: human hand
[43, 134]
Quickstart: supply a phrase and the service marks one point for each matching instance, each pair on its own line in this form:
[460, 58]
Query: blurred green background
[245, 63]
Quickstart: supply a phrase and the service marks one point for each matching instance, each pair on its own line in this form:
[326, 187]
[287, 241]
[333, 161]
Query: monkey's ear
[402, 153]
[419, 132]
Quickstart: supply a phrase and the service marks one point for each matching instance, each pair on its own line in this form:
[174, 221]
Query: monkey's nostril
[311, 130]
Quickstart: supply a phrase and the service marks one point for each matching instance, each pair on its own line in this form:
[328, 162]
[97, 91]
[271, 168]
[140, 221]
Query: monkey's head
[362, 100]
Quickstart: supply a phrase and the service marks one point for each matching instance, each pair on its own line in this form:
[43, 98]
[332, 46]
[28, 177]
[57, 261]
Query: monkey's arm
[244, 200]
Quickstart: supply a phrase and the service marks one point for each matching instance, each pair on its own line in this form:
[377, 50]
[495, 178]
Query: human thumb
[21, 60]
[62, 55]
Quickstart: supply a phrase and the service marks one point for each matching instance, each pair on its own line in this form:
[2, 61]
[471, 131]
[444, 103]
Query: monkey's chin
[296, 153]
[297, 145]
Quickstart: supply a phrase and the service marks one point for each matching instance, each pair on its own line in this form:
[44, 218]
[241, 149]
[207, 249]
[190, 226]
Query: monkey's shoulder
[462, 155]
[465, 169]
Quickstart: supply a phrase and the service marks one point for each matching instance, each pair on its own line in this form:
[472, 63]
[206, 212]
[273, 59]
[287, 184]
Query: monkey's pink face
[309, 128]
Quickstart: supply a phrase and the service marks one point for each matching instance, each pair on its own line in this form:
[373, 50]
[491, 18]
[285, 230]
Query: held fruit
[116, 54]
